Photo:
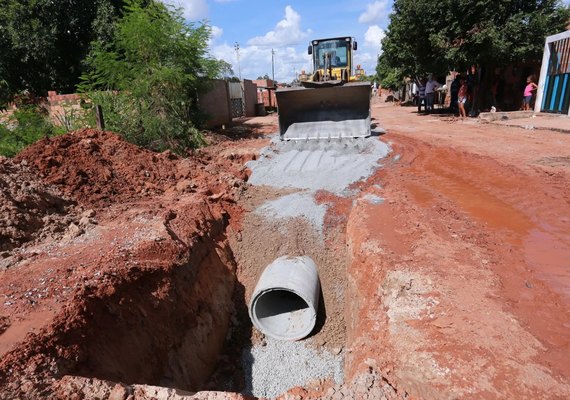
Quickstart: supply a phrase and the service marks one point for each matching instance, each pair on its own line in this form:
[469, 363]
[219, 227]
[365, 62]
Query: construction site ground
[443, 248]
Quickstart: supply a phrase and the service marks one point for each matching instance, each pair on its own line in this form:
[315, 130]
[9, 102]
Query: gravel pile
[295, 205]
[277, 366]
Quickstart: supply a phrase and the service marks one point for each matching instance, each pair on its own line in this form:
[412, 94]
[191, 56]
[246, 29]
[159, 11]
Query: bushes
[148, 77]
[26, 126]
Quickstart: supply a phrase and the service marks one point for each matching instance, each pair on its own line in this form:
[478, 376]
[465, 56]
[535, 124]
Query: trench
[269, 367]
[187, 326]
[158, 326]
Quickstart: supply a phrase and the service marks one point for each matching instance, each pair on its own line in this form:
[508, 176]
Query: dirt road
[445, 265]
[463, 273]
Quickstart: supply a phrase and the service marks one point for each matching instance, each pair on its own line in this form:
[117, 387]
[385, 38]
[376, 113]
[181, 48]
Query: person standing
[453, 91]
[421, 94]
[431, 86]
[462, 98]
[529, 88]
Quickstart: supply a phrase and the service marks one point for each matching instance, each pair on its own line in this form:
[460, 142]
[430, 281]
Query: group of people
[463, 92]
[425, 93]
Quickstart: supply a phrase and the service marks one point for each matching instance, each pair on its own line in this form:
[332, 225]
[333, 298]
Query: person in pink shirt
[527, 96]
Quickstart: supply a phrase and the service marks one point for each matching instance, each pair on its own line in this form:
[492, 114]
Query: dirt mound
[29, 209]
[99, 168]
[160, 221]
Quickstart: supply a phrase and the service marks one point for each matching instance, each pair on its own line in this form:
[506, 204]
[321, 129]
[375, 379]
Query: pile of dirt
[29, 209]
[100, 168]
[160, 226]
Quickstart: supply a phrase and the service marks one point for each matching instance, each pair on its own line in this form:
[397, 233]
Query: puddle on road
[548, 252]
[502, 204]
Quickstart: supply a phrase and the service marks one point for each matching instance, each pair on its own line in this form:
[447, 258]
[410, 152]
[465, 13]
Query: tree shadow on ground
[242, 129]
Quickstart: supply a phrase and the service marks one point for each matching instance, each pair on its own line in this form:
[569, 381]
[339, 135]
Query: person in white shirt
[431, 86]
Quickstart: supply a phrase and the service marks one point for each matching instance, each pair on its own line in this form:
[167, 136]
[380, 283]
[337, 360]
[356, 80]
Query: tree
[148, 77]
[43, 42]
[426, 36]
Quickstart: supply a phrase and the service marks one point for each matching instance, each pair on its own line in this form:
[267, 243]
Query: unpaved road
[459, 261]
[463, 273]
[446, 272]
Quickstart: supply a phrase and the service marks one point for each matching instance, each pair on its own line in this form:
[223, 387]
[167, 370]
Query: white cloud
[374, 36]
[255, 61]
[287, 32]
[217, 32]
[192, 9]
[375, 12]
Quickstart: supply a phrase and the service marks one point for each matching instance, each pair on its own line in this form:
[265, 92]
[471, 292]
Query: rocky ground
[126, 274]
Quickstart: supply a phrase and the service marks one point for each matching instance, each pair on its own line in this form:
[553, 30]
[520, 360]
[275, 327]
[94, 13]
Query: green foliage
[390, 78]
[72, 118]
[26, 126]
[426, 36]
[147, 79]
[4, 94]
[367, 78]
[43, 42]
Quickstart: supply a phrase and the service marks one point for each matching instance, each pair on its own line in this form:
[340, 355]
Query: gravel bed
[277, 366]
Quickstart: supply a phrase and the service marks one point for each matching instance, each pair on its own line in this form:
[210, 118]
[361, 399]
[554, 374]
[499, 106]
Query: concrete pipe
[285, 301]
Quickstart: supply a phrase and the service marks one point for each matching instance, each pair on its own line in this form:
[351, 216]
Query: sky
[287, 27]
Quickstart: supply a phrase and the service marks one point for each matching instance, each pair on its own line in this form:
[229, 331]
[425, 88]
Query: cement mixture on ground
[318, 165]
[273, 367]
[300, 204]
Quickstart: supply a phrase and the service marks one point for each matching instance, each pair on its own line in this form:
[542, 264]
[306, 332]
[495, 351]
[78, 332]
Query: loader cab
[333, 53]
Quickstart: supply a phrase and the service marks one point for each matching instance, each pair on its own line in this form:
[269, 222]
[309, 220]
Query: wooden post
[99, 118]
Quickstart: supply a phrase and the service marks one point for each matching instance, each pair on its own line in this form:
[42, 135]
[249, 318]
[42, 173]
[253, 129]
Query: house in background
[266, 93]
[553, 94]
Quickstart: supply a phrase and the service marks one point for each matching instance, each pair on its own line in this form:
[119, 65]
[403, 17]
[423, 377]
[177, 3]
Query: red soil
[462, 274]
[458, 283]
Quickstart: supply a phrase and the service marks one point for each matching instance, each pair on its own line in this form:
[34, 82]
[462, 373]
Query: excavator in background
[331, 103]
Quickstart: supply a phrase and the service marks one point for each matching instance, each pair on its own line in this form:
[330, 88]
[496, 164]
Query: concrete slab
[544, 121]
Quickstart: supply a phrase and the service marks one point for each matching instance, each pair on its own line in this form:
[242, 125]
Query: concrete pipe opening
[285, 301]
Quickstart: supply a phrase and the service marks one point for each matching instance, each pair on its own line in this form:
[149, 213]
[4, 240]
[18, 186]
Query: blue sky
[287, 27]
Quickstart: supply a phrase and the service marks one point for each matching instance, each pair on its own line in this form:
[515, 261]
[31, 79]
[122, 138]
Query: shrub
[147, 79]
[26, 126]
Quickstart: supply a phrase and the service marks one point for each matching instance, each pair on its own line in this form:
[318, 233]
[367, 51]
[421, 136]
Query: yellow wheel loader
[331, 104]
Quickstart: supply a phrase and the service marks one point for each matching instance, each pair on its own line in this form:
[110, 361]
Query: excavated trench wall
[160, 317]
[161, 327]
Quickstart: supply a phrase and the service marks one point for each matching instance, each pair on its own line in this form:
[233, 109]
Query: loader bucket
[329, 112]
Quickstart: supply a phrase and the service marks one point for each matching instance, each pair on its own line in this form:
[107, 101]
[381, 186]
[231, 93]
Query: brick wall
[62, 107]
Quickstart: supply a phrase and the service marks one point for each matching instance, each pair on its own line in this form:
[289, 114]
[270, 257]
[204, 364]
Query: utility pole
[273, 66]
[236, 47]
